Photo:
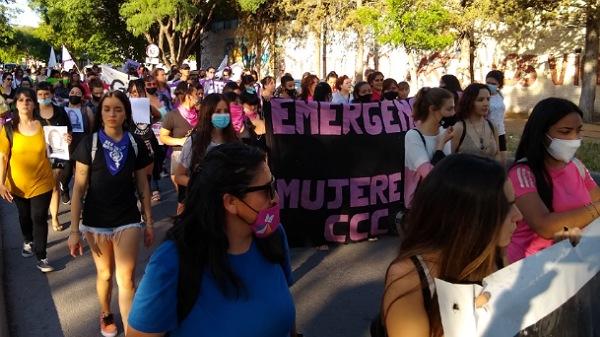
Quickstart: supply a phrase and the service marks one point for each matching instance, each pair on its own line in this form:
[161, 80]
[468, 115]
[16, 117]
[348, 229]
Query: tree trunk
[199, 54]
[324, 49]
[590, 65]
[359, 65]
[471, 35]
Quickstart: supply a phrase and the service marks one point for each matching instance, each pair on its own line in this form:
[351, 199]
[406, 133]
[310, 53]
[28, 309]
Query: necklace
[481, 146]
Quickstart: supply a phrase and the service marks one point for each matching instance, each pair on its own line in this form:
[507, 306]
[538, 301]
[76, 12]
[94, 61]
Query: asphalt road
[336, 292]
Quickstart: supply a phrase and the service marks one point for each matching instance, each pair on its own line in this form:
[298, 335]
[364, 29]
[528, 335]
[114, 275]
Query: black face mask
[291, 92]
[151, 91]
[96, 98]
[364, 98]
[74, 100]
[447, 122]
[390, 95]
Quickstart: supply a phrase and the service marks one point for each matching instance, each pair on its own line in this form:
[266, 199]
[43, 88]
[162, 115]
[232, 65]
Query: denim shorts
[110, 233]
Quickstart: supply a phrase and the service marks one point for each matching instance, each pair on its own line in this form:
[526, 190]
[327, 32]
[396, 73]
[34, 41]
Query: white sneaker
[44, 266]
[27, 250]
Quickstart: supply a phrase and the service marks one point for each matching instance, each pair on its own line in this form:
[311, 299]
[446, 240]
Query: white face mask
[563, 149]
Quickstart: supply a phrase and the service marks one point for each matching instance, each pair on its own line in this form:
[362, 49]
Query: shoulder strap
[422, 138]
[133, 143]
[580, 167]
[425, 283]
[94, 146]
[462, 136]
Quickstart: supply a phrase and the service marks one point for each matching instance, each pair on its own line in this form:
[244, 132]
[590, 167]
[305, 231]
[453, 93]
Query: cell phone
[447, 122]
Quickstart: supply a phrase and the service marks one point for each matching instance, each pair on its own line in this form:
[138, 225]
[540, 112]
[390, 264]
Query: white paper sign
[530, 294]
[140, 108]
[76, 119]
[156, 129]
[56, 146]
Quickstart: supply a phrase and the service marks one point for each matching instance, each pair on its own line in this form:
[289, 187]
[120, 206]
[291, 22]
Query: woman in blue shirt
[224, 269]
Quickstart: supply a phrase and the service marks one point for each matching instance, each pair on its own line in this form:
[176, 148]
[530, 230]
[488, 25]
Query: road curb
[3, 316]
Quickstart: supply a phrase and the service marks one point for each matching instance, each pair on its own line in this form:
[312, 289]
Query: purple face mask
[267, 221]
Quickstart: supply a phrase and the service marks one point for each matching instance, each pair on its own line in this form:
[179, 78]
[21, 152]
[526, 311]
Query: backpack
[95, 145]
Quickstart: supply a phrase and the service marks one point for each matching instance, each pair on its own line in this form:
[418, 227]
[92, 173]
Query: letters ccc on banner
[339, 167]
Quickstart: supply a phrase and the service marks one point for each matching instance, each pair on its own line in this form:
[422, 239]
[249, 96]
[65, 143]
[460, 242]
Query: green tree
[417, 25]
[91, 28]
[520, 14]
[25, 43]
[176, 26]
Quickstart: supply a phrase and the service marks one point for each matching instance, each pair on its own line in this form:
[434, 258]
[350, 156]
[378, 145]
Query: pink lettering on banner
[304, 111]
[317, 202]
[371, 118]
[388, 110]
[393, 183]
[338, 185]
[357, 219]
[360, 191]
[375, 218]
[357, 193]
[279, 114]
[326, 116]
[289, 192]
[351, 223]
[352, 112]
[379, 184]
[405, 113]
[330, 223]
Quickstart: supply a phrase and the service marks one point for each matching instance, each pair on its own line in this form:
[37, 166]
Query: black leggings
[33, 217]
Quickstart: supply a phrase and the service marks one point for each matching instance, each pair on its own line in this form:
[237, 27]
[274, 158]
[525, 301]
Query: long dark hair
[533, 141]
[199, 233]
[467, 101]
[202, 133]
[452, 84]
[322, 92]
[427, 97]
[27, 92]
[128, 124]
[464, 231]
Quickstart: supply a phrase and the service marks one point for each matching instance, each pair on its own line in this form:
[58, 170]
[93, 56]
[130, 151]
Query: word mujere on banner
[338, 167]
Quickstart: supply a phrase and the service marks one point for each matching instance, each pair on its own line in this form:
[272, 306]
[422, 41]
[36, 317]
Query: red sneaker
[108, 328]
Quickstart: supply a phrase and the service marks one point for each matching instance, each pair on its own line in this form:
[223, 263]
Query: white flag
[51, 61]
[67, 60]
[222, 67]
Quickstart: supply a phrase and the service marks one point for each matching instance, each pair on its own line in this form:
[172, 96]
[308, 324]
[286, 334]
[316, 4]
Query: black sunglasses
[269, 187]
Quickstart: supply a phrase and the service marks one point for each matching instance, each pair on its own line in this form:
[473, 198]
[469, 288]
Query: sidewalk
[336, 293]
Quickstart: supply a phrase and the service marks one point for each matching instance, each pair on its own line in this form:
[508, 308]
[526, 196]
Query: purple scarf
[115, 153]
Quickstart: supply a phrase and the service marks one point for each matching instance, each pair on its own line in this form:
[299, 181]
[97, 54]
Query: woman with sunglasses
[230, 231]
[6, 90]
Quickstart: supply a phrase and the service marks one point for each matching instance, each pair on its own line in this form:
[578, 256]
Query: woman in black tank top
[463, 213]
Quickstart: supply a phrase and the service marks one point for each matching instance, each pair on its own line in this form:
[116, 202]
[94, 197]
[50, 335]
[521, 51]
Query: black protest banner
[338, 167]
[552, 293]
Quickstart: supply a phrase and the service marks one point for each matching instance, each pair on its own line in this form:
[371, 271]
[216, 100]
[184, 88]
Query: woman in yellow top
[27, 179]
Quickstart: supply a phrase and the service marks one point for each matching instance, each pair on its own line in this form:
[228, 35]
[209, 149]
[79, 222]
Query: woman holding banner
[227, 256]
[554, 190]
[26, 175]
[481, 217]
[53, 115]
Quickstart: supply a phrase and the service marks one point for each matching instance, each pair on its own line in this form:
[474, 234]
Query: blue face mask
[220, 120]
[493, 88]
[45, 101]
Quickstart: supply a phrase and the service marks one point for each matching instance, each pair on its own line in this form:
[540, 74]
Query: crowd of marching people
[227, 253]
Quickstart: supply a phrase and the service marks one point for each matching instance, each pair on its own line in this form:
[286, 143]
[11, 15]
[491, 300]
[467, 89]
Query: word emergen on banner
[552, 293]
[338, 167]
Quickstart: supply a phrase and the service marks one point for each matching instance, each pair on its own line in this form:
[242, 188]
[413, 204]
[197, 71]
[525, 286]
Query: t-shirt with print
[179, 127]
[569, 191]
[417, 161]
[267, 310]
[110, 200]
